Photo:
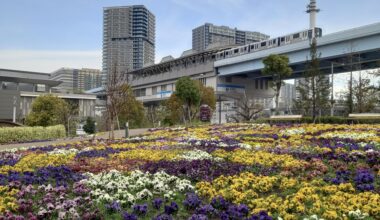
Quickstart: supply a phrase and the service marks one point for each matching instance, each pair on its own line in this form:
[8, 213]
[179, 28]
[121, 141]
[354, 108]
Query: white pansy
[313, 217]
[57, 151]
[357, 214]
[292, 131]
[113, 185]
[195, 155]
[247, 146]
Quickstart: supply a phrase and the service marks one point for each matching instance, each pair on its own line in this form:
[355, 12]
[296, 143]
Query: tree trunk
[278, 87]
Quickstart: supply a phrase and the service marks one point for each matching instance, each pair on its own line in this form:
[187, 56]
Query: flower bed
[234, 171]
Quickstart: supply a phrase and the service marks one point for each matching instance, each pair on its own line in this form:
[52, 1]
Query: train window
[227, 53]
[263, 44]
[296, 35]
[252, 47]
[236, 51]
[282, 39]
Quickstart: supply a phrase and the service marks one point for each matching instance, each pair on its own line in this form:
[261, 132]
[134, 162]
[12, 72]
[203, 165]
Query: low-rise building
[19, 89]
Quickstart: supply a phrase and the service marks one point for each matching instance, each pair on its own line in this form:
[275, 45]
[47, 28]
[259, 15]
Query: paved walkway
[118, 134]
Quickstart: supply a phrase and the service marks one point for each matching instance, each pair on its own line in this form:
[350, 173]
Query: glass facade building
[128, 39]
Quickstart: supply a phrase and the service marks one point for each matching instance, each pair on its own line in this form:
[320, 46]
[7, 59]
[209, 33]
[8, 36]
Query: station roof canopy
[20, 76]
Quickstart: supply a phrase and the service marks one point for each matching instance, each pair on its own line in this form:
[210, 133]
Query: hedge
[28, 134]
[322, 120]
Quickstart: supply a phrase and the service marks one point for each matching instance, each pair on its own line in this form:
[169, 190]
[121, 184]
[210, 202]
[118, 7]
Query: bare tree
[246, 110]
[117, 94]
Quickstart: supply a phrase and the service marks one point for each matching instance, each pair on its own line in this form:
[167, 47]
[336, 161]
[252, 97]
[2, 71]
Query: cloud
[49, 60]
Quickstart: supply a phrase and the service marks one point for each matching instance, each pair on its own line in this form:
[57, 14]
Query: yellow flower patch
[34, 161]
[8, 200]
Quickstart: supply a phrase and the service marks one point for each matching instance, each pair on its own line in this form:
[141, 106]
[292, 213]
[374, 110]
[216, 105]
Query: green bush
[89, 127]
[27, 134]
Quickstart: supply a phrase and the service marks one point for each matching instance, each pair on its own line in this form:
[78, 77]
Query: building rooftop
[20, 76]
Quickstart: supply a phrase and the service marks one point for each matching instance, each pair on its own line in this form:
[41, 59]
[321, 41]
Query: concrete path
[118, 134]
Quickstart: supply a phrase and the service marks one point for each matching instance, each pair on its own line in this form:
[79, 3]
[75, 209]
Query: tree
[49, 110]
[364, 95]
[155, 114]
[188, 92]
[131, 110]
[277, 67]
[175, 110]
[207, 94]
[117, 95]
[89, 127]
[314, 88]
[246, 110]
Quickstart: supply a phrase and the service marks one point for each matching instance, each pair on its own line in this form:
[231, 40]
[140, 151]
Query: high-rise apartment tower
[128, 39]
[209, 35]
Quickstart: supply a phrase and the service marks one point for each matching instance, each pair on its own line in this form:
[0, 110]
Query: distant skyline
[44, 35]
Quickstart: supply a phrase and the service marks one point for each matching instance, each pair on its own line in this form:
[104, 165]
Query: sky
[45, 35]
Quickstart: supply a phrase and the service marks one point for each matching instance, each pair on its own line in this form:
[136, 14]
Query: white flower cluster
[248, 146]
[197, 155]
[63, 151]
[313, 217]
[114, 186]
[293, 131]
[357, 214]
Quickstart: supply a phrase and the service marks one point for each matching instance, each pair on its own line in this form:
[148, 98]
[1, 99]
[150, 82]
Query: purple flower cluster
[113, 207]
[171, 209]
[64, 202]
[97, 153]
[364, 180]
[157, 203]
[140, 210]
[8, 216]
[60, 176]
[196, 170]
[9, 159]
[341, 177]
[192, 201]
[129, 216]
[262, 215]
[163, 216]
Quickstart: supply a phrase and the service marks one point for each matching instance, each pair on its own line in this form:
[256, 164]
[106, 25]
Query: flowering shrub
[232, 171]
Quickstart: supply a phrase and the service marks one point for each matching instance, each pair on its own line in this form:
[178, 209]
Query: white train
[270, 43]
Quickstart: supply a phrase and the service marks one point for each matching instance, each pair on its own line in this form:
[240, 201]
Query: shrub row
[27, 134]
[322, 120]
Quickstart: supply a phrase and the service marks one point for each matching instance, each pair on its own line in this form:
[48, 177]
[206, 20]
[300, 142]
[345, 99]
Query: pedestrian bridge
[353, 49]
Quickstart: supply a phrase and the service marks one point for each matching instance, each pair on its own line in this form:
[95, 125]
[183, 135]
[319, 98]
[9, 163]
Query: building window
[140, 92]
[163, 88]
[154, 90]
[202, 80]
[229, 79]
